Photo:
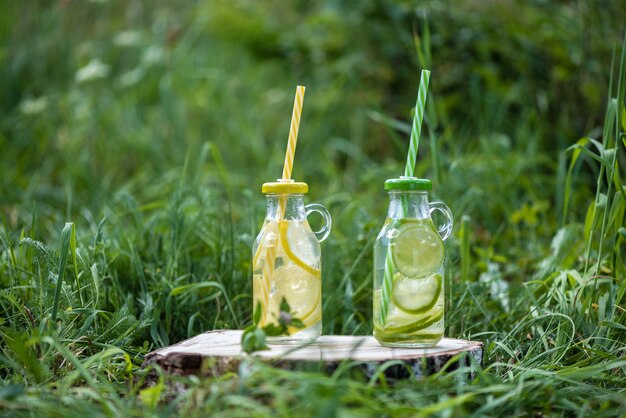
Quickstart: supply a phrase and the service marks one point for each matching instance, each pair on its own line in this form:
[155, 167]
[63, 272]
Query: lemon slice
[261, 245]
[293, 235]
[314, 316]
[268, 237]
[403, 323]
[301, 289]
[265, 253]
[257, 292]
[417, 250]
[416, 295]
[257, 255]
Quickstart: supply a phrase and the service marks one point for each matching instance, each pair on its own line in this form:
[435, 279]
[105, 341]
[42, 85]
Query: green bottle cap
[408, 183]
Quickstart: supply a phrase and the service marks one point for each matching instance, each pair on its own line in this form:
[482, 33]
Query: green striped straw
[409, 171]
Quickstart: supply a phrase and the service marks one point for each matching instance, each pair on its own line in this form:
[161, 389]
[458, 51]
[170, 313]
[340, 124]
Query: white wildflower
[94, 70]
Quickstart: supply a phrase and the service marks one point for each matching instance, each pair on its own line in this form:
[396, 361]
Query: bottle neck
[285, 206]
[408, 204]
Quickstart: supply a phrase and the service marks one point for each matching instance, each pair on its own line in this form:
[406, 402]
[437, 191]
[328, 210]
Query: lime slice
[405, 323]
[416, 295]
[301, 289]
[300, 245]
[417, 250]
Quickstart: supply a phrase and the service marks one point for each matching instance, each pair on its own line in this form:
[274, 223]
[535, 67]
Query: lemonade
[409, 255]
[416, 309]
[287, 262]
[286, 256]
[409, 259]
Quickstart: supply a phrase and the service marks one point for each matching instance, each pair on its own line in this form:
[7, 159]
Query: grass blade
[66, 238]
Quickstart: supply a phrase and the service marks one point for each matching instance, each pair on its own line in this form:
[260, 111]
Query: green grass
[135, 136]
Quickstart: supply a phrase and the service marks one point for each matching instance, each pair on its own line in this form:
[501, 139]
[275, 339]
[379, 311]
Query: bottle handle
[445, 229]
[322, 234]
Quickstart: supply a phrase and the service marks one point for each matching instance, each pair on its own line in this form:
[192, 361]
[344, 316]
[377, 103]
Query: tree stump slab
[217, 352]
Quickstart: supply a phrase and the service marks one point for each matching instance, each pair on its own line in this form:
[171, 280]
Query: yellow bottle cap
[282, 186]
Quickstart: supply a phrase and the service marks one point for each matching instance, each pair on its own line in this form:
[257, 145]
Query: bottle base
[307, 335]
[408, 341]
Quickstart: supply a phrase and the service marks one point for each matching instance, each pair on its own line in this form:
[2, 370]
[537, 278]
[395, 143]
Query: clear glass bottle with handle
[287, 261]
[409, 260]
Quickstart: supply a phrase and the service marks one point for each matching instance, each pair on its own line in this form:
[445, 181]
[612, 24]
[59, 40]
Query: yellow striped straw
[293, 131]
[272, 242]
[268, 273]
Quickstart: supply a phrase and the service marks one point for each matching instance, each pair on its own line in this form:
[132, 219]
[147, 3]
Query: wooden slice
[217, 352]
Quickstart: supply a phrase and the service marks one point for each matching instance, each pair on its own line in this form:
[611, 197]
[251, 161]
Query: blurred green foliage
[152, 124]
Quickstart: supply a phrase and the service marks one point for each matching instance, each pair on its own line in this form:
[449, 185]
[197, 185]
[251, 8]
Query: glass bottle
[287, 262]
[409, 261]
